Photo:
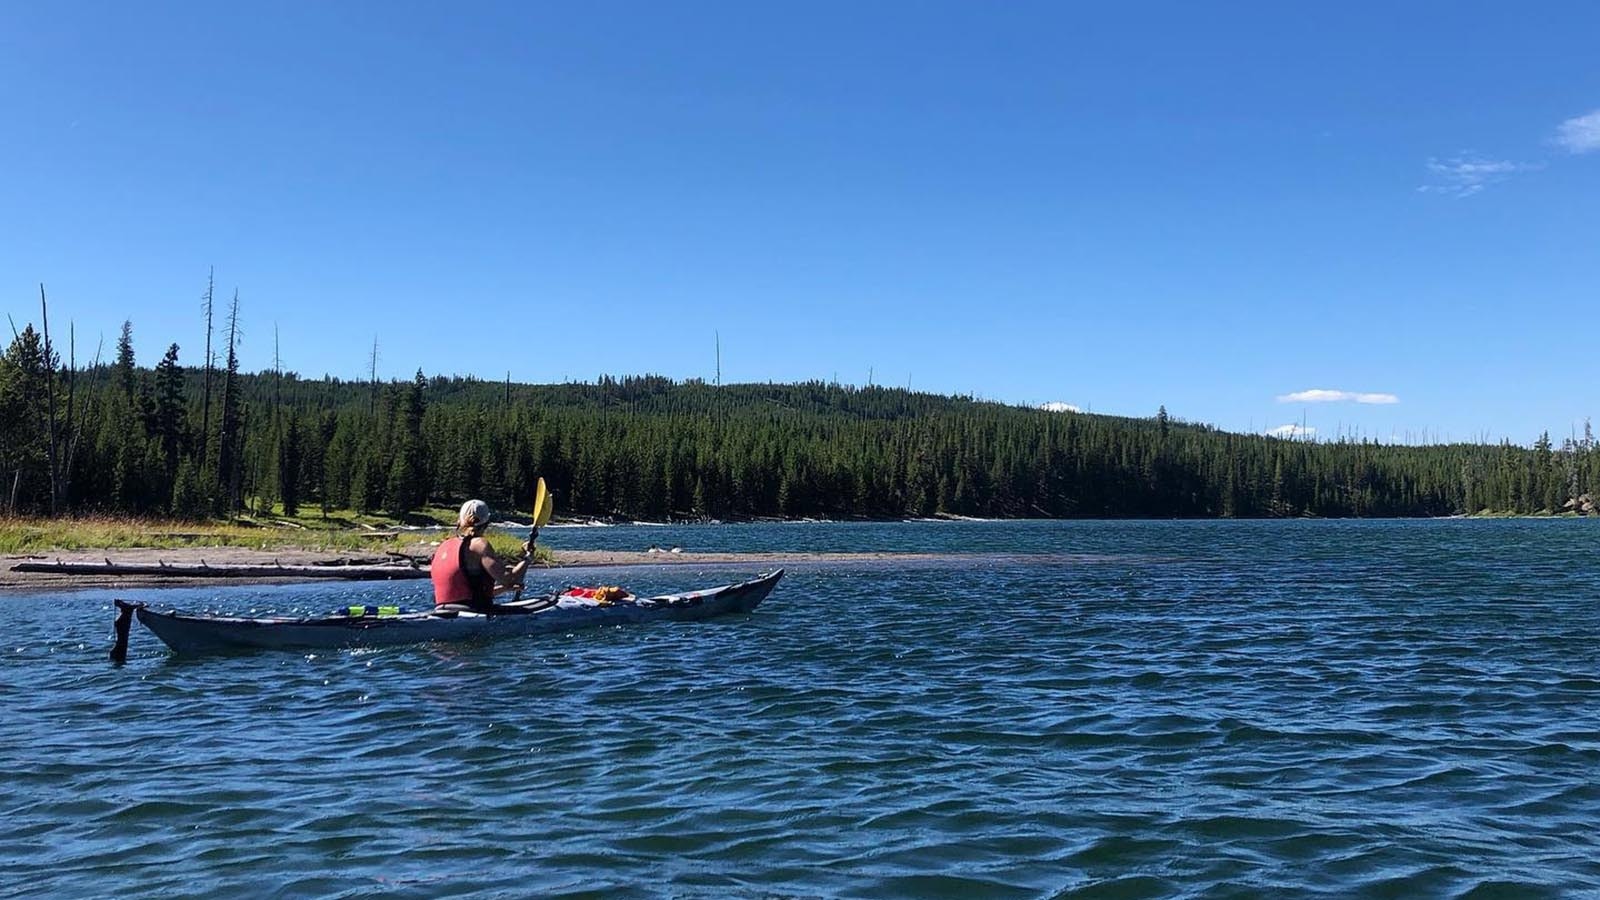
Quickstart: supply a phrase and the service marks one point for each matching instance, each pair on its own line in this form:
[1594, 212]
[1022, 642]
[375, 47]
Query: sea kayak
[192, 635]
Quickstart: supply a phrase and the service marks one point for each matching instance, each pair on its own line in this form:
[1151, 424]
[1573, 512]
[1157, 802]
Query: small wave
[1503, 889]
[1125, 887]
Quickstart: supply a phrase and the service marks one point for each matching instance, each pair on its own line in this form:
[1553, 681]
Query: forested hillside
[190, 442]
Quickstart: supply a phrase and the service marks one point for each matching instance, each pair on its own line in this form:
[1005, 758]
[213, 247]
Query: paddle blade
[543, 506]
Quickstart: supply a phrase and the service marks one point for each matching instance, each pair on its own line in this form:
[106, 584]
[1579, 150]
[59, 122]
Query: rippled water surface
[1143, 709]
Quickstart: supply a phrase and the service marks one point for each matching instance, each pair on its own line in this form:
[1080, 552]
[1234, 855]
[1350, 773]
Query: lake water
[1081, 709]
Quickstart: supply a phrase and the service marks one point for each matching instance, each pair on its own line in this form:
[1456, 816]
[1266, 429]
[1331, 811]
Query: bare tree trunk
[70, 426]
[72, 368]
[372, 404]
[50, 394]
[77, 433]
[205, 402]
[277, 369]
[230, 443]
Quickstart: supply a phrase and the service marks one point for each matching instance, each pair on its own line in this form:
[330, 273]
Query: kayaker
[465, 571]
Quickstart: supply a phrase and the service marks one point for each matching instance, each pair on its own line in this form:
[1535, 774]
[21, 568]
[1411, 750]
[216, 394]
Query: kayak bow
[192, 635]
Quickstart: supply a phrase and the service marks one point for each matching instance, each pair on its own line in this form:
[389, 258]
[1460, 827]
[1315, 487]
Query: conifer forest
[190, 436]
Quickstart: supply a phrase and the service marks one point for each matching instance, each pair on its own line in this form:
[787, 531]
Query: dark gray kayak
[192, 635]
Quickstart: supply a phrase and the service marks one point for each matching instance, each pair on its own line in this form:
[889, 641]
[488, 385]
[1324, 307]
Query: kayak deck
[190, 635]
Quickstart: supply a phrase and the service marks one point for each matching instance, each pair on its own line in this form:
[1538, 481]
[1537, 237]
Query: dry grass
[24, 535]
[335, 534]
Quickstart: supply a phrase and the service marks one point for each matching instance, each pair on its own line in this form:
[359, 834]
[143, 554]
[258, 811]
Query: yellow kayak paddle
[543, 505]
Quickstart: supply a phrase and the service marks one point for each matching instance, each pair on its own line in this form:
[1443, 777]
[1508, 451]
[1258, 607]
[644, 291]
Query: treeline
[199, 441]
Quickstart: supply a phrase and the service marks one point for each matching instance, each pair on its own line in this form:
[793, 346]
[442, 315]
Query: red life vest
[452, 583]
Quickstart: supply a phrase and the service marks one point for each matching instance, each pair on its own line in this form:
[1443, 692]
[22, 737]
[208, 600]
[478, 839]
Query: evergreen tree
[125, 362]
[289, 461]
[170, 411]
[189, 501]
[23, 423]
[408, 484]
[17, 443]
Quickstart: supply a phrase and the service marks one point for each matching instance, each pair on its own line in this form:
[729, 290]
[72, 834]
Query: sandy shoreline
[15, 582]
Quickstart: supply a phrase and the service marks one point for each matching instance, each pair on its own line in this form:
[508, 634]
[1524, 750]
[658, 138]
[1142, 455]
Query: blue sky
[1218, 208]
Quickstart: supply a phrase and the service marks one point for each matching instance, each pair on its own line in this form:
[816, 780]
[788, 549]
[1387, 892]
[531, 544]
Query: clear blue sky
[1115, 206]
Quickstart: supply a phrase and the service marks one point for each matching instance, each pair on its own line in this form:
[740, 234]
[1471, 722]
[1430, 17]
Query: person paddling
[466, 573]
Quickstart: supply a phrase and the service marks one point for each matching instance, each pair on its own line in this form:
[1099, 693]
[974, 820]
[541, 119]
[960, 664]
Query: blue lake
[1037, 709]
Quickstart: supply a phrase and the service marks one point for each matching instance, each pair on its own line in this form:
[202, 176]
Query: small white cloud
[1058, 406]
[1579, 134]
[1467, 174]
[1292, 431]
[1320, 395]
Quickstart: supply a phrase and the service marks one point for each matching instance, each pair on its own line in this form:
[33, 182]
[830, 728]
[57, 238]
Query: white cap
[474, 514]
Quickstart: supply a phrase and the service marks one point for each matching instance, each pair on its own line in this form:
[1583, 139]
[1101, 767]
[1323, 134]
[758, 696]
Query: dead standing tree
[70, 430]
[73, 426]
[372, 402]
[61, 425]
[230, 434]
[205, 401]
[52, 427]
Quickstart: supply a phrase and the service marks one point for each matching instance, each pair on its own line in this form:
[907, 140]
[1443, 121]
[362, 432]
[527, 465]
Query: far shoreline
[12, 583]
[409, 545]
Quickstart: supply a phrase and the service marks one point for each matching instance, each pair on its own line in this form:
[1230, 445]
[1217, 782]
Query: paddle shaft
[541, 515]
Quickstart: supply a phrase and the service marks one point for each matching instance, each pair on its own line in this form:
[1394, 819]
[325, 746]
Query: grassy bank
[336, 533]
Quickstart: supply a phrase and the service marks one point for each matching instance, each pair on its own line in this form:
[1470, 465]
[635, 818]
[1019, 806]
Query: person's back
[454, 580]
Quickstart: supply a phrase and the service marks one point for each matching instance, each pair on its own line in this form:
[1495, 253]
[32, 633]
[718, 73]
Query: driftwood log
[161, 570]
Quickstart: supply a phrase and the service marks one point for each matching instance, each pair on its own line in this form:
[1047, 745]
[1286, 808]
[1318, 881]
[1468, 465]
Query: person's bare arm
[505, 577]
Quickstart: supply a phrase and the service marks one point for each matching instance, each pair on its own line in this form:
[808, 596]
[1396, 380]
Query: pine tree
[22, 420]
[188, 499]
[170, 411]
[30, 422]
[289, 460]
[327, 428]
[125, 361]
[367, 492]
[408, 485]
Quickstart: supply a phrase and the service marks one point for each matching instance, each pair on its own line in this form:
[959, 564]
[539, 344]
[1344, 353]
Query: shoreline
[416, 550]
[12, 583]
